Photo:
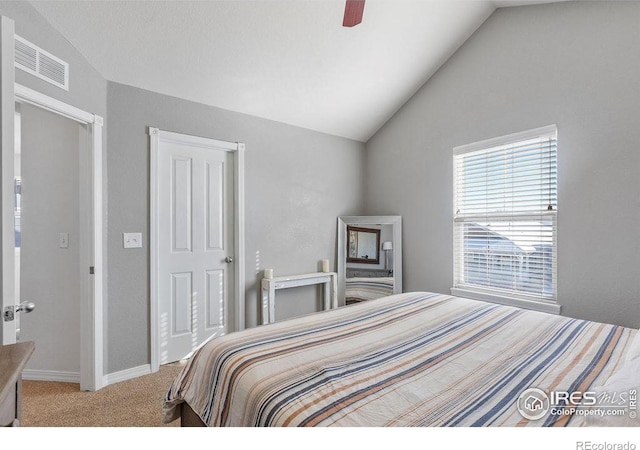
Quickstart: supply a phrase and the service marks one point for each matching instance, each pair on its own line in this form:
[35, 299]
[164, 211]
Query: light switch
[63, 240]
[132, 240]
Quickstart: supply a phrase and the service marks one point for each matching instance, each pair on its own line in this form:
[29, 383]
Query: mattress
[413, 359]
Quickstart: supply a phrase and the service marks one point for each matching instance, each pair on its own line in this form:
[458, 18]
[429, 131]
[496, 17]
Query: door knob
[228, 259]
[26, 307]
[10, 311]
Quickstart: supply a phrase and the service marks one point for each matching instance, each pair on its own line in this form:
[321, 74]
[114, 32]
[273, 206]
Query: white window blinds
[505, 206]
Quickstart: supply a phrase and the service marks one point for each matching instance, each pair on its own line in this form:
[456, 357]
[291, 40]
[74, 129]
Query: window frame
[497, 295]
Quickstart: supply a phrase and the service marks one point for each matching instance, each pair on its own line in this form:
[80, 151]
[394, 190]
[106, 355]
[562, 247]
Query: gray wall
[87, 88]
[297, 183]
[50, 274]
[571, 64]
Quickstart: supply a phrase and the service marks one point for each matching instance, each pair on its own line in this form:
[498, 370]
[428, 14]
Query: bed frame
[188, 418]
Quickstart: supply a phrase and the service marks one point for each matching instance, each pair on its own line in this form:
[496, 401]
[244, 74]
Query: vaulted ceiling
[290, 61]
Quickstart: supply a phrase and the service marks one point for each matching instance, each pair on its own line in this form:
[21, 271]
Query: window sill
[542, 306]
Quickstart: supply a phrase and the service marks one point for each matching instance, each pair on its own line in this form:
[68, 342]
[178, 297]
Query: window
[505, 211]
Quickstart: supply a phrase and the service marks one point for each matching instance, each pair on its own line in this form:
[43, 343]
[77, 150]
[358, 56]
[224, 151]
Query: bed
[360, 289]
[413, 359]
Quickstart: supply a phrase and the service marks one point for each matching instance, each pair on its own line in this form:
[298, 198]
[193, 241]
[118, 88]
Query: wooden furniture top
[13, 358]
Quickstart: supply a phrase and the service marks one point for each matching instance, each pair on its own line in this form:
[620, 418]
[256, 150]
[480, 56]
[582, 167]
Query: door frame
[7, 123]
[91, 234]
[237, 149]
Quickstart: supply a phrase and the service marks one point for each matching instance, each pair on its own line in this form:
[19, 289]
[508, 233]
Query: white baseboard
[51, 375]
[127, 374]
[73, 377]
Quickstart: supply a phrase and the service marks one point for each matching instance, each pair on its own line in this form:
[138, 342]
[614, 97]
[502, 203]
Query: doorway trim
[237, 149]
[91, 299]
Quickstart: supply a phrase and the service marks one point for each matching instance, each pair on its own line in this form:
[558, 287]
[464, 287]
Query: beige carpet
[132, 403]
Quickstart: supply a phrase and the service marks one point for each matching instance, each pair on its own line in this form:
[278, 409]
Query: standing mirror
[369, 257]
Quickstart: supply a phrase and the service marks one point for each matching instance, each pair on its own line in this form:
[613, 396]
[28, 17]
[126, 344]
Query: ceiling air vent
[44, 65]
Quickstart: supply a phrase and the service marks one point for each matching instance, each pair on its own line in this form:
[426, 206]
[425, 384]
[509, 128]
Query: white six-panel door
[195, 244]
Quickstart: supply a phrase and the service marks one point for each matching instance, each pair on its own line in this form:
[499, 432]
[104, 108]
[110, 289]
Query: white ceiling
[284, 60]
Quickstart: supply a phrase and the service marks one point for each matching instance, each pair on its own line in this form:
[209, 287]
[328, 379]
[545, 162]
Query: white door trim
[237, 149]
[7, 118]
[91, 300]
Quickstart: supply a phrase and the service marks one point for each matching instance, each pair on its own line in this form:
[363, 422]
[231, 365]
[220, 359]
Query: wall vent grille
[44, 65]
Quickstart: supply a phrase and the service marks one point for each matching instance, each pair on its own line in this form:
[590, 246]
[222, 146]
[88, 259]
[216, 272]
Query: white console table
[270, 285]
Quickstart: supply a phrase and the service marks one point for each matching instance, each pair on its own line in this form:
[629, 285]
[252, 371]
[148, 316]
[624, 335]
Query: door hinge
[91, 270]
[9, 313]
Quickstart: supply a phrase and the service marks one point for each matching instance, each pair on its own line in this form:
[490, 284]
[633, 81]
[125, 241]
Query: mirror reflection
[363, 245]
[369, 257]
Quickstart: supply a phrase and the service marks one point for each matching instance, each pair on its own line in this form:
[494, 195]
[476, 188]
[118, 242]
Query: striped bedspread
[360, 289]
[416, 359]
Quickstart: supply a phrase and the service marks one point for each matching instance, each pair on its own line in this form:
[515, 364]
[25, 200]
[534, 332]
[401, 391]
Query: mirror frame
[341, 263]
[358, 260]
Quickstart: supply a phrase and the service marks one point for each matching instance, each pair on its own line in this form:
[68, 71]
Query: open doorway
[47, 161]
[84, 192]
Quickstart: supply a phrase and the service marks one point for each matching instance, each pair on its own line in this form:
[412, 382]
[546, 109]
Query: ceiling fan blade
[353, 13]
